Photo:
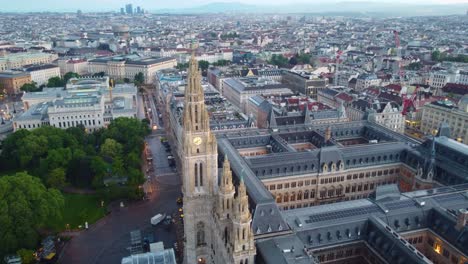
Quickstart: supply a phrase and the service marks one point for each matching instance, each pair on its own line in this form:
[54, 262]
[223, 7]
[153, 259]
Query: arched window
[246, 261]
[226, 236]
[201, 174]
[196, 174]
[201, 234]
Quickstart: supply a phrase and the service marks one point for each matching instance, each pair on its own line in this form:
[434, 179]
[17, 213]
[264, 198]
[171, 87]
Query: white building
[390, 116]
[439, 79]
[463, 77]
[120, 67]
[439, 112]
[239, 90]
[365, 81]
[79, 66]
[86, 101]
[42, 73]
[18, 60]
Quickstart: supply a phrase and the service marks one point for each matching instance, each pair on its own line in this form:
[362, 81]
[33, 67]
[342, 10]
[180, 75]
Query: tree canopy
[30, 87]
[278, 60]
[70, 75]
[25, 206]
[56, 82]
[85, 158]
[203, 65]
[139, 79]
[442, 56]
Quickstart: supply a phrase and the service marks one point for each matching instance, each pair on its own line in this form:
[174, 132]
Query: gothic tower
[243, 238]
[200, 174]
[223, 215]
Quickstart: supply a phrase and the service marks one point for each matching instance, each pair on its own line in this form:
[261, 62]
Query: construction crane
[337, 65]
[409, 102]
[401, 71]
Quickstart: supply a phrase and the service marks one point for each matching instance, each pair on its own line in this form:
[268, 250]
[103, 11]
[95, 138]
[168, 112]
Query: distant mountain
[357, 7]
[221, 7]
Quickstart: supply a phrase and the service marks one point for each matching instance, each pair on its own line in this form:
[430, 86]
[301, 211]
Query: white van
[157, 219]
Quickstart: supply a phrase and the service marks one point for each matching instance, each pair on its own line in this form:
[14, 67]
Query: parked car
[157, 219]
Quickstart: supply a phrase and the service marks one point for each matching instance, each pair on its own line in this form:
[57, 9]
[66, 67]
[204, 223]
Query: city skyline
[114, 5]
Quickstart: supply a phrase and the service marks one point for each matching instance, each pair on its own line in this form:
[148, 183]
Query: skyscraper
[129, 9]
[138, 10]
[122, 11]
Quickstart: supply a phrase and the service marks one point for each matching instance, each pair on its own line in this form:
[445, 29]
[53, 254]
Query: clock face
[197, 141]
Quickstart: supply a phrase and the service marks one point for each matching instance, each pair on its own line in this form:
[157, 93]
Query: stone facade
[217, 224]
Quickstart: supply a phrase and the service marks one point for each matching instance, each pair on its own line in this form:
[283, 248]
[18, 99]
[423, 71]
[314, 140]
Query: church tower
[200, 173]
[244, 250]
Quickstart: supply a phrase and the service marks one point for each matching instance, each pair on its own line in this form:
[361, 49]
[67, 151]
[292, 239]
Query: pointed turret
[226, 192]
[341, 112]
[328, 134]
[307, 117]
[272, 119]
[243, 240]
[431, 162]
[196, 117]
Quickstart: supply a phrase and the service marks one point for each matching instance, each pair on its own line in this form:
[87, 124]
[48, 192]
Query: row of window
[437, 247]
[74, 123]
[280, 198]
[339, 254]
[292, 184]
[361, 175]
[29, 126]
[75, 117]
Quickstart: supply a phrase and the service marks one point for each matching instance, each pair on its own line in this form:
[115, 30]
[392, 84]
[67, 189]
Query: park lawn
[78, 209]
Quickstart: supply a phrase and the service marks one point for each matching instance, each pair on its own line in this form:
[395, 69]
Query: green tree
[70, 75]
[30, 87]
[139, 79]
[221, 63]
[26, 255]
[25, 206]
[111, 149]
[99, 74]
[415, 66]
[126, 80]
[304, 58]
[203, 65]
[293, 60]
[182, 66]
[279, 60]
[435, 56]
[56, 178]
[118, 168]
[55, 82]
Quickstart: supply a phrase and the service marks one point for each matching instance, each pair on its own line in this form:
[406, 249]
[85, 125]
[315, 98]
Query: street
[108, 240]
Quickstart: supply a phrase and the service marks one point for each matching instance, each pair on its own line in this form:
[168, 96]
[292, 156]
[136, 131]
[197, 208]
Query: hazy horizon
[115, 5]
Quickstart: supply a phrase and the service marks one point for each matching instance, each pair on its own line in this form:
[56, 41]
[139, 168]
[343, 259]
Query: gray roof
[378, 223]
[163, 257]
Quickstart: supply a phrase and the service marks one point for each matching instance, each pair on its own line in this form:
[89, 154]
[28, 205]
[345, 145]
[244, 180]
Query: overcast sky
[99, 5]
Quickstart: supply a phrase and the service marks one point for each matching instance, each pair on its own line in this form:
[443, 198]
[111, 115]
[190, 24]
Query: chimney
[462, 219]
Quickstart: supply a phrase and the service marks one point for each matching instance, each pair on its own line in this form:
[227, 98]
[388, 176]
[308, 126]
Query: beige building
[365, 81]
[42, 73]
[121, 67]
[11, 81]
[304, 82]
[446, 112]
[18, 60]
[86, 101]
[79, 66]
[239, 90]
